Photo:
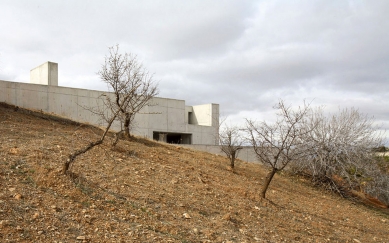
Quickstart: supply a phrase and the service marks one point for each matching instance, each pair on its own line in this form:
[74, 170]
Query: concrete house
[167, 120]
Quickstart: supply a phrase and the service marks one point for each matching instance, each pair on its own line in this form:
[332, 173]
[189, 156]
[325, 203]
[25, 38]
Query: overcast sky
[243, 55]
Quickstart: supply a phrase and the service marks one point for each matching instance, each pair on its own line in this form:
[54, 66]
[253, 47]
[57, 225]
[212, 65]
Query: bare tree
[230, 140]
[279, 144]
[133, 87]
[342, 145]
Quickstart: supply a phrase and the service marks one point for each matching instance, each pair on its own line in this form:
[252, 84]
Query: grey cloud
[244, 55]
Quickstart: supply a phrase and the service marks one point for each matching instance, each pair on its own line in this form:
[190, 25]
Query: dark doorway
[174, 138]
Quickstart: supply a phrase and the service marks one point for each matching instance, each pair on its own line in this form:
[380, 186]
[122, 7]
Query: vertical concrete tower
[46, 74]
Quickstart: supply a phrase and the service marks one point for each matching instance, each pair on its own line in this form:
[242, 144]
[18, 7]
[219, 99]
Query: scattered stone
[201, 180]
[81, 237]
[40, 232]
[35, 216]
[13, 151]
[356, 240]
[3, 223]
[227, 216]
[18, 196]
[187, 216]
[196, 231]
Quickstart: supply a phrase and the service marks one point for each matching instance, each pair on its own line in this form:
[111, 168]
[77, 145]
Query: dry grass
[150, 192]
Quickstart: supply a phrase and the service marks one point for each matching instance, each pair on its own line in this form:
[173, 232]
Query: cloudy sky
[243, 55]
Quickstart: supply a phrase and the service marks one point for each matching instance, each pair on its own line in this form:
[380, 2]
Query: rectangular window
[190, 118]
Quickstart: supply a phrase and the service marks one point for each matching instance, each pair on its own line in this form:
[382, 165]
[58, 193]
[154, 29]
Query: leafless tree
[133, 87]
[280, 143]
[230, 140]
[341, 155]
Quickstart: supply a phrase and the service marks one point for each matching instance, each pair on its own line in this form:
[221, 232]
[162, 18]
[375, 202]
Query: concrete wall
[164, 115]
[246, 154]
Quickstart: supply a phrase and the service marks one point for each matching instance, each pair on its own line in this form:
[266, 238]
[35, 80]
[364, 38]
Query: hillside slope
[152, 192]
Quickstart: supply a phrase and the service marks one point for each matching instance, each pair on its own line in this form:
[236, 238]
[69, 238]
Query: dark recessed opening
[174, 138]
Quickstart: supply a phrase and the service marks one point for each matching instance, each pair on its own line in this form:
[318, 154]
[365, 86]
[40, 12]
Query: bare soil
[143, 191]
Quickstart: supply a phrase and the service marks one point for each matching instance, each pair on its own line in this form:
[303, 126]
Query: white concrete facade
[169, 120]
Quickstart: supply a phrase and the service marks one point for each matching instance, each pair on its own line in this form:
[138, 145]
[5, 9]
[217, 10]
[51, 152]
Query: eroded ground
[150, 192]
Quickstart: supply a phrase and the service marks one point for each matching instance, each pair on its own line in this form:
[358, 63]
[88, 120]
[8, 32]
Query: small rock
[3, 223]
[35, 216]
[227, 216]
[196, 231]
[11, 189]
[18, 228]
[13, 151]
[40, 232]
[356, 240]
[187, 216]
[18, 196]
[81, 237]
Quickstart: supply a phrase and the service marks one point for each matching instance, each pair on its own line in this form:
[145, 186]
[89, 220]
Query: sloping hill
[151, 192]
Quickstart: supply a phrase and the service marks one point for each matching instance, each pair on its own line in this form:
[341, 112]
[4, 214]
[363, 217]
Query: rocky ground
[143, 191]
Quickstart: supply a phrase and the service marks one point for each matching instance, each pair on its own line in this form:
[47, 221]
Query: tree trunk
[232, 160]
[269, 177]
[73, 156]
[127, 127]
